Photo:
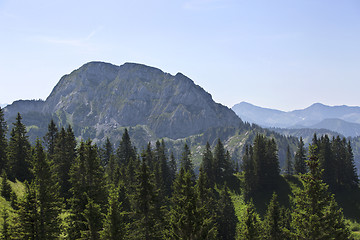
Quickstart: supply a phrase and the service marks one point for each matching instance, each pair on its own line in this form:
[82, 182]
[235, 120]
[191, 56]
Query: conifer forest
[61, 187]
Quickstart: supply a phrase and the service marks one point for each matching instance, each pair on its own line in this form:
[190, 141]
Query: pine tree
[148, 217]
[5, 186]
[115, 223]
[125, 150]
[64, 156]
[207, 164]
[250, 179]
[93, 216]
[226, 217]
[250, 226]
[88, 183]
[173, 167]
[50, 138]
[27, 220]
[327, 162]
[186, 219]
[106, 153]
[186, 162]
[316, 215]
[300, 157]
[289, 169]
[3, 141]
[19, 152]
[273, 223]
[47, 196]
[5, 232]
[351, 178]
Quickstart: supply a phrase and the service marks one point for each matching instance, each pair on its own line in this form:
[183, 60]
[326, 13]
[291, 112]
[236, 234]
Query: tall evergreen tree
[3, 141]
[327, 161]
[351, 178]
[125, 151]
[50, 138]
[300, 157]
[148, 217]
[19, 152]
[316, 215]
[250, 180]
[289, 168]
[88, 184]
[5, 186]
[226, 217]
[207, 164]
[106, 153]
[64, 156]
[250, 226]
[186, 220]
[173, 167]
[186, 162]
[47, 196]
[5, 232]
[273, 223]
[115, 224]
[27, 220]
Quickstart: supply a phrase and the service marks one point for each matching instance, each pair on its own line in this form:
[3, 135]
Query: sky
[281, 54]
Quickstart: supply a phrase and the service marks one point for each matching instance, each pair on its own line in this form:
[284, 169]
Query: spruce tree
[47, 195]
[125, 150]
[106, 153]
[173, 167]
[186, 162]
[207, 164]
[93, 216]
[148, 217]
[5, 186]
[250, 225]
[115, 223]
[300, 157]
[5, 232]
[351, 177]
[19, 152]
[88, 184]
[186, 220]
[289, 168]
[316, 215]
[250, 179]
[50, 138]
[27, 220]
[3, 141]
[64, 156]
[273, 222]
[226, 217]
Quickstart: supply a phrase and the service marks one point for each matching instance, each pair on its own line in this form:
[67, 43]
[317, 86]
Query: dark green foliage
[125, 151]
[27, 221]
[173, 167]
[88, 183]
[18, 152]
[148, 216]
[207, 164]
[115, 222]
[50, 138]
[106, 153]
[92, 215]
[3, 141]
[47, 195]
[5, 186]
[300, 157]
[5, 232]
[226, 217]
[185, 161]
[186, 219]
[316, 215]
[63, 158]
[289, 168]
[250, 226]
[273, 222]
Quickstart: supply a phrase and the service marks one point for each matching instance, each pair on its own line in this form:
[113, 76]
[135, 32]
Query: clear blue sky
[280, 54]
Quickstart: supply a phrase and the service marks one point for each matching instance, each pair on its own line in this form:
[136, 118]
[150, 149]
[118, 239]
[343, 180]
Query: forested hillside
[80, 190]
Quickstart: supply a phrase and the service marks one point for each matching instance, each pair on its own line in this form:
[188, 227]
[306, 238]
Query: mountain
[342, 119]
[99, 99]
[2, 105]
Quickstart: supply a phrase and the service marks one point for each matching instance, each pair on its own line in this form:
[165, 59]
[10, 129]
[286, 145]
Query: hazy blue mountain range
[342, 119]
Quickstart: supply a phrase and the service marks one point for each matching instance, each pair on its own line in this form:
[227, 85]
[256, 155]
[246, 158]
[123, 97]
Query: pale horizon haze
[283, 55]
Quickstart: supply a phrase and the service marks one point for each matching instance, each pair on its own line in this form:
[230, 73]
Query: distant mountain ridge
[342, 119]
[99, 99]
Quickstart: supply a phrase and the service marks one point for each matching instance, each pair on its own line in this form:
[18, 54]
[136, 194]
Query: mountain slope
[99, 98]
[343, 127]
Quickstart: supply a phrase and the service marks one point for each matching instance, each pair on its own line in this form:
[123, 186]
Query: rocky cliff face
[104, 97]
